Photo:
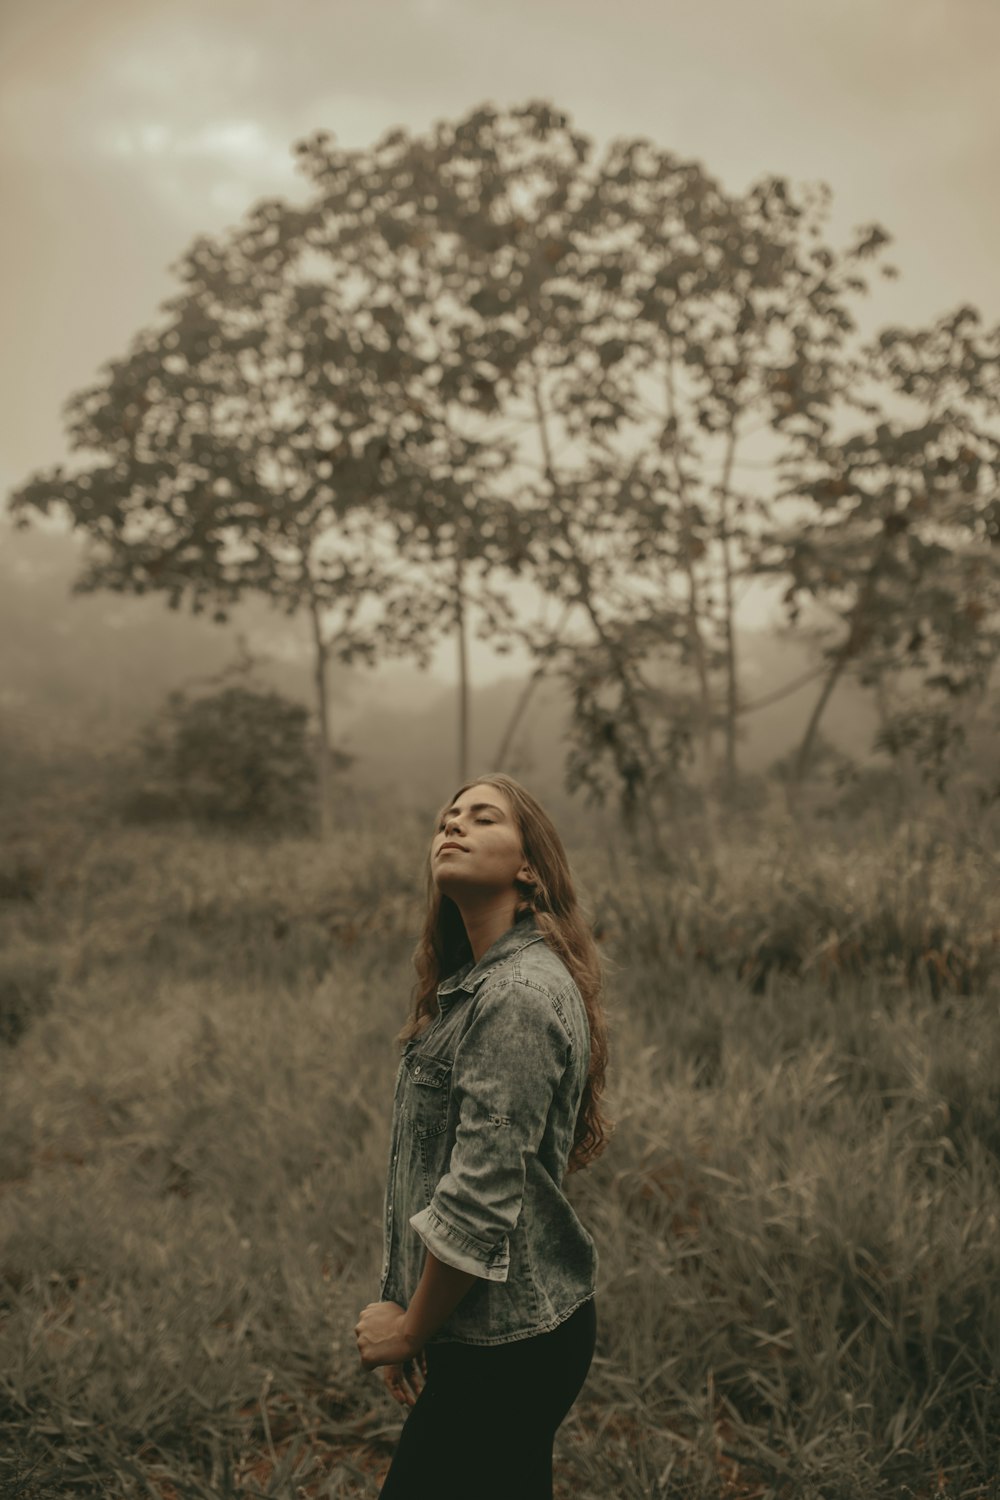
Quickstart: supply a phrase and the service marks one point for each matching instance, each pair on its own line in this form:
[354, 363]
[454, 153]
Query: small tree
[900, 538]
[239, 446]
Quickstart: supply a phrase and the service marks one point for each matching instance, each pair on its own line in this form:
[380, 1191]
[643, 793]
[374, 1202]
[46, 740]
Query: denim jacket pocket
[428, 1080]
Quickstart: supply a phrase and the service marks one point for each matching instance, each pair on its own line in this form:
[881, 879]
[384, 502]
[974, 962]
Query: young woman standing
[486, 1324]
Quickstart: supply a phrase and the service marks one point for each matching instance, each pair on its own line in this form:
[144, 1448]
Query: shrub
[238, 756]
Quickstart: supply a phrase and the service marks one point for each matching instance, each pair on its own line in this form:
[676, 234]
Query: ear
[526, 875]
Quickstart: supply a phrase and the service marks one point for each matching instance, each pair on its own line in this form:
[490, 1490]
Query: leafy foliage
[630, 314]
[237, 757]
[901, 538]
[487, 353]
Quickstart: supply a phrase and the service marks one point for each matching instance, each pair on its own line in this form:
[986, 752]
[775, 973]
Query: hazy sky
[128, 126]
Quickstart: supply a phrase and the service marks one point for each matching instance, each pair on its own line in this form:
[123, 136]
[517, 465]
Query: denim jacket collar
[470, 976]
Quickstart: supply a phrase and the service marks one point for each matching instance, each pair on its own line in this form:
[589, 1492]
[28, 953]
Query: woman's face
[477, 846]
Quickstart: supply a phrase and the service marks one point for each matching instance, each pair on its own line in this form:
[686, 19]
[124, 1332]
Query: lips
[452, 845]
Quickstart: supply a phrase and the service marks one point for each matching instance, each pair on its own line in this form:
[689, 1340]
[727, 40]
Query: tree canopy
[486, 363]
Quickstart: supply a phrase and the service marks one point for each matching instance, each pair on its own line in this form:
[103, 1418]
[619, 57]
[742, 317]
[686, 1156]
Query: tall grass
[798, 1216]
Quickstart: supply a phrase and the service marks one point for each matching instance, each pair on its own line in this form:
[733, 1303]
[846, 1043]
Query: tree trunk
[526, 695]
[812, 728]
[849, 649]
[701, 671]
[901, 761]
[694, 604]
[520, 708]
[463, 671]
[732, 674]
[323, 769]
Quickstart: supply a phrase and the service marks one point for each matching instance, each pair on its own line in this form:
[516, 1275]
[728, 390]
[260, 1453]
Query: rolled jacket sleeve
[507, 1068]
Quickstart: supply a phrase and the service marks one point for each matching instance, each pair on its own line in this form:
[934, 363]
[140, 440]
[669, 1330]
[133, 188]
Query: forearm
[440, 1290]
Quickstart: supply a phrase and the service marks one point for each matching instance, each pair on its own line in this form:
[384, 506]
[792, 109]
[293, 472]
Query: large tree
[456, 236]
[610, 330]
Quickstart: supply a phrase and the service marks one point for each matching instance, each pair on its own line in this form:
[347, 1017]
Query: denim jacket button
[416, 1072]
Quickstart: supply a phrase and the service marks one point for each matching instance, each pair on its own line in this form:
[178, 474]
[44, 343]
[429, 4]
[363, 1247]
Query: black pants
[483, 1425]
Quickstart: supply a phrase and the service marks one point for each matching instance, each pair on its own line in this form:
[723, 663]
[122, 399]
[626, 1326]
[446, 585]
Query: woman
[488, 1275]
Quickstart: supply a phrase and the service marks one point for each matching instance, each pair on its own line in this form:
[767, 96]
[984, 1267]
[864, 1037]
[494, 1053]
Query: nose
[451, 826]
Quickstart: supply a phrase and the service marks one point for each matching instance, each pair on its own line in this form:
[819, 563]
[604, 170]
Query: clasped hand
[380, 1337]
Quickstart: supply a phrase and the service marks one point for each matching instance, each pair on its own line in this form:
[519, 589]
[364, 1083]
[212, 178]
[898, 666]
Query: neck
[486, 920]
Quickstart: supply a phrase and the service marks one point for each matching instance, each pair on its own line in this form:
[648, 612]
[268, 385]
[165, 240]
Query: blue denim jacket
[482, 1126]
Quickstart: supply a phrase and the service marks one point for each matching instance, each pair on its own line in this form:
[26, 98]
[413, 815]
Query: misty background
[125, 132]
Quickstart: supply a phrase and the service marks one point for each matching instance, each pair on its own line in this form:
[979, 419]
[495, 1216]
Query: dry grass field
[798, 1216]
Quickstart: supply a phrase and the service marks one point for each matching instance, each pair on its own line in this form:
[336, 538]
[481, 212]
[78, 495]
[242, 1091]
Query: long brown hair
[551, 897]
